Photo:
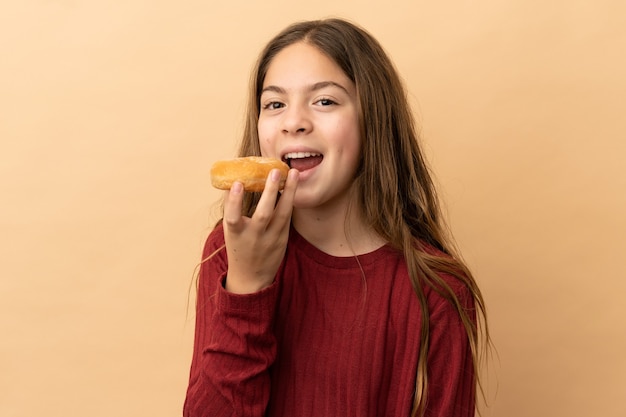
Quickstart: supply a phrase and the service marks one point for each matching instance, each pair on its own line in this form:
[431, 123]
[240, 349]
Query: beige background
[112, 112]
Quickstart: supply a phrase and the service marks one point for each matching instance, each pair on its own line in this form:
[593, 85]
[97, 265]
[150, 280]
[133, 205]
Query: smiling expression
[309, 119]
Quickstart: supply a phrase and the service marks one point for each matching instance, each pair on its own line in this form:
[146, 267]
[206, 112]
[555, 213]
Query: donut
[251, 171]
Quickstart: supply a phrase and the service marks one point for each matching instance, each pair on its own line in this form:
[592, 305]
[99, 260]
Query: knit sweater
[331, 337]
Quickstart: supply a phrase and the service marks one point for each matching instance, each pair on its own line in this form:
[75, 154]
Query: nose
[296, 120]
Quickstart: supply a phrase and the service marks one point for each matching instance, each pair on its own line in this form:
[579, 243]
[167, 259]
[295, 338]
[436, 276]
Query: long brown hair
[394, 184]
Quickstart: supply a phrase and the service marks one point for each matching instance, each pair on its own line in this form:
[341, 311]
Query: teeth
[296, 155]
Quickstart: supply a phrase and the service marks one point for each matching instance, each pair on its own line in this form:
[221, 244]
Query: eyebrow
[313, 87]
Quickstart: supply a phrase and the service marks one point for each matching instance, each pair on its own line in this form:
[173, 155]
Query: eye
[273, 105]
[325, 102]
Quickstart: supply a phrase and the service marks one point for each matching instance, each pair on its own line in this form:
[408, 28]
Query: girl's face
[309, 119]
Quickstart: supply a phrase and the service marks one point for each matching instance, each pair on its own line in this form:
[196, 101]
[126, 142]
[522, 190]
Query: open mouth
[303, 160]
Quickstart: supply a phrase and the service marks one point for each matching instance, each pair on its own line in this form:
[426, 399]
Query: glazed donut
[251, 171]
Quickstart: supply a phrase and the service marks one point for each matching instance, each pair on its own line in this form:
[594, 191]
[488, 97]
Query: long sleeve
[234, 345]
[333, 336]
[452, 389]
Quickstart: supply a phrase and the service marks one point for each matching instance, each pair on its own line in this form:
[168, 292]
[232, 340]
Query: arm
[233, 347]
[234, 344]
[452, 390]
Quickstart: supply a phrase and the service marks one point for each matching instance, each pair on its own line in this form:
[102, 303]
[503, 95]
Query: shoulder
[214, 241]
[450, 288]
[214, 251]
[448, 295]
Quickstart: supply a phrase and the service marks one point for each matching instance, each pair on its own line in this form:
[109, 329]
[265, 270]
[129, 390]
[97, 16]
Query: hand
[256, 245]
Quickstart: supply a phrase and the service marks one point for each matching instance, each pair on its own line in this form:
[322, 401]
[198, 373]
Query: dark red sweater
[328, 338]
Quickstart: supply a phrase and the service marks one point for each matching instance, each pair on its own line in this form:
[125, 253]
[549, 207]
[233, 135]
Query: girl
[341, 295]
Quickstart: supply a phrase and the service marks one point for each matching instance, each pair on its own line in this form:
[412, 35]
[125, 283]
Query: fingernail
[237, 188]
[275, 175]
[293, 174]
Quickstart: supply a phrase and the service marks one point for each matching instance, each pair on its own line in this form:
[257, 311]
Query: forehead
[302, 64]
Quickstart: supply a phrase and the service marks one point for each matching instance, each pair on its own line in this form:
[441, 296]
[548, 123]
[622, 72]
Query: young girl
[341, 295]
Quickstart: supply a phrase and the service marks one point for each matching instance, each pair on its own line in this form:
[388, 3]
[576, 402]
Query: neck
[338, 232]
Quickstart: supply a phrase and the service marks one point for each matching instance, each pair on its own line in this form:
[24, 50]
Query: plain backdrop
[111, 113]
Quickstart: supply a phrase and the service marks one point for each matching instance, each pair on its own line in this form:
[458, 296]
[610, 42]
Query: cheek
[351, 144]
[265, 141]
[264, 147]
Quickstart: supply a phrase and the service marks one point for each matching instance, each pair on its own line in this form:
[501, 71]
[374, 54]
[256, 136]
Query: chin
[305, 202]
[303, 205]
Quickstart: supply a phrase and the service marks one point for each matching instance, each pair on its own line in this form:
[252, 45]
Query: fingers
[267, 211]
[232, 205]
[266, 207]
[284, 208]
